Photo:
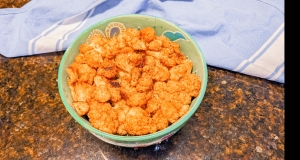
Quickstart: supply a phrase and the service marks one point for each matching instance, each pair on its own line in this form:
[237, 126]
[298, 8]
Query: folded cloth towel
[241, 36]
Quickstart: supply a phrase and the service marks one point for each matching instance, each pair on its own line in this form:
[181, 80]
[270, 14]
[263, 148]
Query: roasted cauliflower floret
[138, 122]
[169, 111]
[180, 70]
[79, 58]
[153, 105]
[155, 45]
[160, 121]
[134, 83]
[107, 69]
[101, 94]
[165, 41]
[137, 44]
[135, 75]
[191, 83]
[84, 48]
[93, 58]
[122, 109]
[126, 50]
[81, 73]
[168, 60]
[157, 71]
[81, 91]
[144, 83]
[137, 60]
[131, 33]
[103, 117]
[96, 41]
[100, 81]
[122, 61]
[82, 108]
[137, 100]
[148, 34]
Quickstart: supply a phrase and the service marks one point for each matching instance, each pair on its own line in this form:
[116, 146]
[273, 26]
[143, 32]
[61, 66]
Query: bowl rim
[154, 135]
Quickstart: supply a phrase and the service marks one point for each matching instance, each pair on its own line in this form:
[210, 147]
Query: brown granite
[241, 117]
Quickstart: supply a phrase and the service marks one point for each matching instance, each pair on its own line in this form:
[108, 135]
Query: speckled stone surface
[241, 117]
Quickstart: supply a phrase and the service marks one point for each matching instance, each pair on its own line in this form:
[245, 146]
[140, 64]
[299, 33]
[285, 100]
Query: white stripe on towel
[274, 55]
[55, 35]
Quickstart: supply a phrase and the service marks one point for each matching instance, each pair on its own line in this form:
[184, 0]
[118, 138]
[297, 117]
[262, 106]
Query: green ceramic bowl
[112, 26]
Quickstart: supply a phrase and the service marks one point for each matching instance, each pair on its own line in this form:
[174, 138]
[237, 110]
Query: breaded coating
[180, 70]
[82, 108]
[135, 83]
[103, 117]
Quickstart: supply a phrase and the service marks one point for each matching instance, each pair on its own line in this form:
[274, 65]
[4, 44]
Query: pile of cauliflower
[134, 83]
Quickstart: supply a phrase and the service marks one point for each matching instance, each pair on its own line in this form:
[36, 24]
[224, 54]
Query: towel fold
[241, 36]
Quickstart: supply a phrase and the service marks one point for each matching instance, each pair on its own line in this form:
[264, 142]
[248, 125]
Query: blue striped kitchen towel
[242, 36]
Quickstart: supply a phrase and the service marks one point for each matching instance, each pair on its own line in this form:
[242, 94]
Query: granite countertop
[241, 117]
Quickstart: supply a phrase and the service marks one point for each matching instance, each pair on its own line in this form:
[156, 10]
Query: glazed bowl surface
[113, 26]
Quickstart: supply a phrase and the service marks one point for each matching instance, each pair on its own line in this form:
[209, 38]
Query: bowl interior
[188, 46]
